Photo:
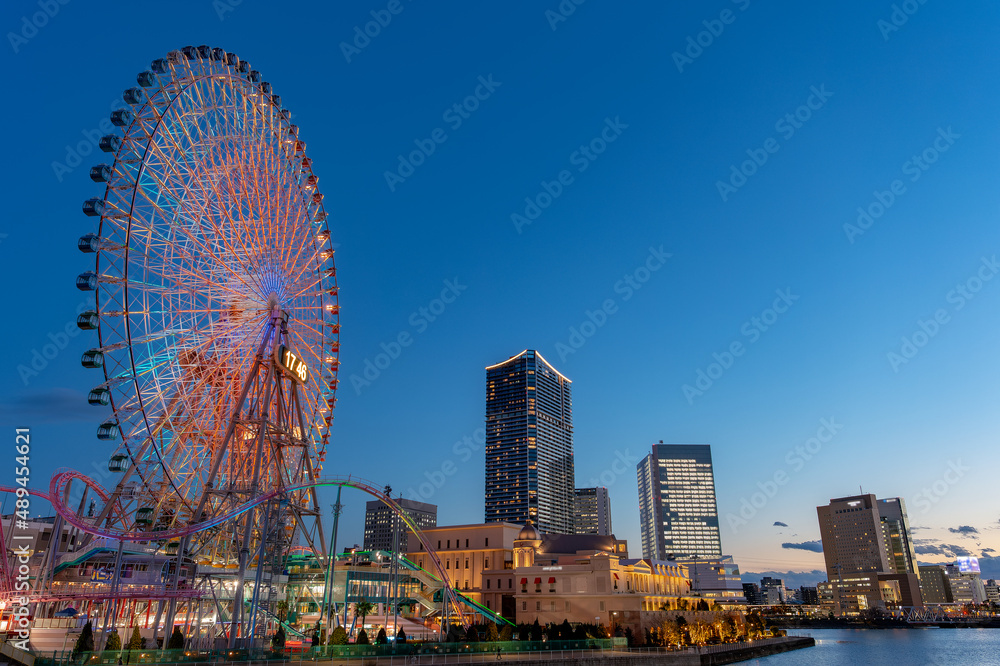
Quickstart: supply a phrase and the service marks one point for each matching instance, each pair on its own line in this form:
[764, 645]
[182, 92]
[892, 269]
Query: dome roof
[528, 533]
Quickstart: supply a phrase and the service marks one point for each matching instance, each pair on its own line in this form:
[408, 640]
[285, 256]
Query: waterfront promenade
[616, 655]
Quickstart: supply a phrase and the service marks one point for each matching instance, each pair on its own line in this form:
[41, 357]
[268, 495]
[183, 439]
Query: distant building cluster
[772, 592]
[547, 549]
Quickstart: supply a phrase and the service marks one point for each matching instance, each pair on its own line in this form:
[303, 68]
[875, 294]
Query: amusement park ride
[217, 323]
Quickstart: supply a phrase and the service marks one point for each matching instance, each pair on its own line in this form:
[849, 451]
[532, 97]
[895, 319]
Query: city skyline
[834, 305]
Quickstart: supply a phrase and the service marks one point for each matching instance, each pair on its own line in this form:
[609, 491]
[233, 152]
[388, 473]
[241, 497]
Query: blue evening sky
[913, 102]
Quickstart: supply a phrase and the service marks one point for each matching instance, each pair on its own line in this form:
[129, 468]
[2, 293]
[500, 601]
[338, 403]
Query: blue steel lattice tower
[529, 444]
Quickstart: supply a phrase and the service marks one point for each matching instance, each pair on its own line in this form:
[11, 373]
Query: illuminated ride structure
[217, 322]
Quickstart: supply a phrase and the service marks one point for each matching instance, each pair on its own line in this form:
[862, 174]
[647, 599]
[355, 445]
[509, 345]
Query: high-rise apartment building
[529, 444]
[868, 549]
[678, 514]
[381, 522]
[592, 511]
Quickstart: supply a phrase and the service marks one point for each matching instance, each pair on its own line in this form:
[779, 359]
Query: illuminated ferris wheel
[216, 310]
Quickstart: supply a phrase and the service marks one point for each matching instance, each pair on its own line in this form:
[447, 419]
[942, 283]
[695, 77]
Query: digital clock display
[291, 363]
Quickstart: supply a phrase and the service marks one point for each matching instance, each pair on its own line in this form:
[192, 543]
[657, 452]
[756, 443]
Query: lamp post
[331, 565]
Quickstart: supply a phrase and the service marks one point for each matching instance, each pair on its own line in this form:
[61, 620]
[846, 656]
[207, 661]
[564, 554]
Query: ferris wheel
[215, 310]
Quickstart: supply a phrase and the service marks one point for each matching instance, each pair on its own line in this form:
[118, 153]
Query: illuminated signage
[968, 564]
[291, 363]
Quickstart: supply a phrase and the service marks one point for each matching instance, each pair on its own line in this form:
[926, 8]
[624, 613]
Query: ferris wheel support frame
[275, 332]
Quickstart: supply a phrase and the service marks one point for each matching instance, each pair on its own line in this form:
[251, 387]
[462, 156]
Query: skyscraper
[868, 550]
[380, 521]
[592, 511]
[895, 529]
[678, 514]
[529, 444]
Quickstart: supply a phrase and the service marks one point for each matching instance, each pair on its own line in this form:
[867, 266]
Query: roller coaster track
[59, 486]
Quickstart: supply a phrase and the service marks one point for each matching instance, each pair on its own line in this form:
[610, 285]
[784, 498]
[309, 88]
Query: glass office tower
[678, 514]
[529, 444]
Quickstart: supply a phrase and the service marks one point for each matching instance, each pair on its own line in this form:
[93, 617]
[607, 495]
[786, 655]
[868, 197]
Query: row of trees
[724, 627]
[563, 631]
[488, 632]
[688, 604]
[339, 637]
[85, 642]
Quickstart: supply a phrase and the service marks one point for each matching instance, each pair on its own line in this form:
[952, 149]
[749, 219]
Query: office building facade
[529, 444]
[868, 550]
[382, 525]
[678, 514]
[715, 578]
[592, 511]
[478, 561]
[934, 587]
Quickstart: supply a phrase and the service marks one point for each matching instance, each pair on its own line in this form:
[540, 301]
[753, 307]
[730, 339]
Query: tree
[400, 636]
[492, 635]
[456, 633]
[114, 641]
[700, 631]
[670, 632]
[565, 631]
[536, 631]
[733, 628]
[135, 642]
[507, 633]
[362, 638]
[278, 640]
[282, 610]
[552, 631]
[629, 637]
[472, 636]
[176, 641]
[339, 636]
[363, 608]
[85, 643]
[381, 638]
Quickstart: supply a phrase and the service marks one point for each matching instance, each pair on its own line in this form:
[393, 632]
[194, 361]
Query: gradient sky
[886, 95]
